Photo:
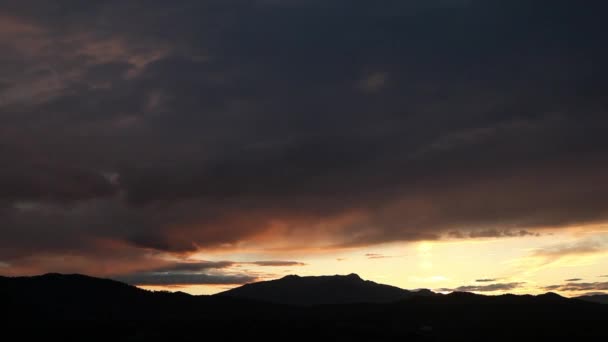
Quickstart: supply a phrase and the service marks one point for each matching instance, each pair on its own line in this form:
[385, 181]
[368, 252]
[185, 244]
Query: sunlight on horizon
[530, 262]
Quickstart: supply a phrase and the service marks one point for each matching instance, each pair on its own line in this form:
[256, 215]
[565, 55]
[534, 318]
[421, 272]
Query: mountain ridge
[597, 298]
[320, 290]
[109, 310]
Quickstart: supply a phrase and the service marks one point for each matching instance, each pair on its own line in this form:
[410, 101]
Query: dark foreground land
[74, 307]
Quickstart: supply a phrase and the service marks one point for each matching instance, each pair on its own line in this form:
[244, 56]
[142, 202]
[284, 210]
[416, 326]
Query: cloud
[200, 266]
[574, 279]
[219, 129]
[376, 256]
[274, 263]
[552, 287]
[28, 179]
[577, 287]
[163, 279]
[195, 266]
[501, 233]
[592, 245]
[487, 280]
[589, 248]
[484, 288]
[373, 82]
[197, 273]
[490, 233]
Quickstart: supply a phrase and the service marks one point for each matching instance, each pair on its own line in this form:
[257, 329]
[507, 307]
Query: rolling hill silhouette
[338, 289]
[78, 307]
[602, 299]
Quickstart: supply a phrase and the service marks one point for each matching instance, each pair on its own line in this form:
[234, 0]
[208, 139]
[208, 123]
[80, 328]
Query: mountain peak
[291, 276]
[351, 276]
[309, 290]
[458, 316]
[354, 276]
[551, 295]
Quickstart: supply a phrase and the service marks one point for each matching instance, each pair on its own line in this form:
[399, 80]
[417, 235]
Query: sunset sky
[197, 145]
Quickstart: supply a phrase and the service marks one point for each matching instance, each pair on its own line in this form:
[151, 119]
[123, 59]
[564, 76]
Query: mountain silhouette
[599, 298]
[77, 307]
[337, 289]
[76, 296]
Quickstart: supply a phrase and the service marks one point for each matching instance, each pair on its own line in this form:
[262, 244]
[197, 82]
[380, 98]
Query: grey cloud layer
[160, 279]
[594, 245]
[488, 280]
[210, 265]
[204, 123]
[200, 273]
[569, 287]
[485, 288]
[277, 263]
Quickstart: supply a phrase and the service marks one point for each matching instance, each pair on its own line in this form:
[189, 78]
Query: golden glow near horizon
[530, 262]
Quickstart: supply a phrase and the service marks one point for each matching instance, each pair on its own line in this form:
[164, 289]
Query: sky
[456, 145]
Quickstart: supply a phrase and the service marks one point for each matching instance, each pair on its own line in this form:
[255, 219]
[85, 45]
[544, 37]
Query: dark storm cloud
[202, 124]
[568, 287]
[484, 288]
[29, 175]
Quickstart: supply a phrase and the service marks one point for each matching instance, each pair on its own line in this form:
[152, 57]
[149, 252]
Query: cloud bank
[484, 288]
[130, 130]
